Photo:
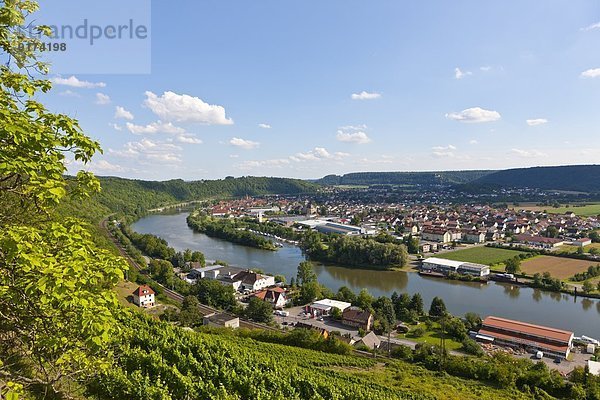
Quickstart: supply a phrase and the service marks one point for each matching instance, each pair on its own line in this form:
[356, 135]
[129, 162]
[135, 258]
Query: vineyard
[158, 361]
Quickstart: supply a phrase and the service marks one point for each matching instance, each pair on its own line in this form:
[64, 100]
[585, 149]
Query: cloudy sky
[309, 88]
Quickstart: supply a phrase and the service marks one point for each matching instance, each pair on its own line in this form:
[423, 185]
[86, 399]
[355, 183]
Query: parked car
[557, 360]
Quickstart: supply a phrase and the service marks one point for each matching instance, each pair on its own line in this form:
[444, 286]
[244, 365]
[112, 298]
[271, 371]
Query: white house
[253, 281]
[143, 296]
[275, 296]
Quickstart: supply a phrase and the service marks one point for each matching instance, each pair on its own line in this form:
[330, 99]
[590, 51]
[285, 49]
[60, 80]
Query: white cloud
[473, 142]
[353, 134]
[116, 127]
[365, 96]
[155, 127]
[591, 73]
[69, 93]
[485, 68]
[103, 166]
[187, 138]
[443, 151]
[592, 27]
[318, 153]
[474, 115]
[264, 126]
[528, 153]
[234, 156]
[121, 112]
[244, 144]
[102, 99]
[73, 81]
[537, 121]
[459, 74]
[277, 163]
[184, 108]
[149, 151]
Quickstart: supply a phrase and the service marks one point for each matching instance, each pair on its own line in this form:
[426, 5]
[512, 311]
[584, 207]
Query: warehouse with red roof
[551, 341]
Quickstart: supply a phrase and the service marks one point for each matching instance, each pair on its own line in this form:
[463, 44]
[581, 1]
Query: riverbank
[507, 300]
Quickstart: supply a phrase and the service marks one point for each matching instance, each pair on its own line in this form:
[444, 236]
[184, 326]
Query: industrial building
[446, 267]
[329, 227]
[325, 306]
[553, 342]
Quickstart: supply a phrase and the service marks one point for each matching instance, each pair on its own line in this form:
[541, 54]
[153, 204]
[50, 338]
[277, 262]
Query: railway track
[171, 294]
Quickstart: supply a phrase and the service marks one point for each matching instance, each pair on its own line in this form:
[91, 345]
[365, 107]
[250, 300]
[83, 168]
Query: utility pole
[443, 343]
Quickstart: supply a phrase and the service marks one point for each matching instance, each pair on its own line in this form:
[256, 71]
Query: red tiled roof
[143, 291]
[529, 329]
[562, 349]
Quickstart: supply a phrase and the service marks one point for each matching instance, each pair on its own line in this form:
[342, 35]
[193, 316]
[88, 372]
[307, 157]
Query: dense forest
[580, 178]
[353, 251]
[403, 178]
[135, 197]
[234, 231]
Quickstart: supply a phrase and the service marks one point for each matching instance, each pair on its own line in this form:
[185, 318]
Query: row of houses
[242, 280]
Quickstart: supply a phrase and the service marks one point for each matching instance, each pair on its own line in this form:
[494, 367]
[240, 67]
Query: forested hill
[134, 196]
[580, 178]
[404, 178]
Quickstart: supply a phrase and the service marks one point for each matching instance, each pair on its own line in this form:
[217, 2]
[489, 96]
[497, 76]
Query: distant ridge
[404, 178]
[579, 178]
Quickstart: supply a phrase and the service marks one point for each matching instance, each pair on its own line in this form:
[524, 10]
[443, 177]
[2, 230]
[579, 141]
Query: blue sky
[309, 88]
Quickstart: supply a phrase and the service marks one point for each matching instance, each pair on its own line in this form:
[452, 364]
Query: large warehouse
[554, 342]
[458, 267]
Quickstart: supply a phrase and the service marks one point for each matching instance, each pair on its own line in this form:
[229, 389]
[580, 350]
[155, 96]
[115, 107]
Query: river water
[521, 303]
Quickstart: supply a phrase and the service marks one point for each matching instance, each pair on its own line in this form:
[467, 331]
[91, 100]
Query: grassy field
[573, 249]
[124, 291]
[481, 255]
[431, 337]
[559, 267]
[583, 211]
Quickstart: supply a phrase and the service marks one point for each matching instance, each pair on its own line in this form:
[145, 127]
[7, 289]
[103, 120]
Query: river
[558, 310]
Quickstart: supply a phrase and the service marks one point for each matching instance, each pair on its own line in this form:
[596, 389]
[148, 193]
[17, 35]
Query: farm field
[559, 267]
[482, 255]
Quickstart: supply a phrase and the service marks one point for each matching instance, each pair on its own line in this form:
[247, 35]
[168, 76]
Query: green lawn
[584, 211]
[431, 337]
[481, 255]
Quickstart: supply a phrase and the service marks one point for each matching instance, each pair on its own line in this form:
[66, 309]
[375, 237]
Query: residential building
[253, 281]
[143, 296]
[221, 320]
[474, 237]
[439, 235]
[370, 340]
[276, 296]
[358, 318]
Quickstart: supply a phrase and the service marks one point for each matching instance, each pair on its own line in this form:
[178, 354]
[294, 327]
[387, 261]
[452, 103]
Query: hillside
[403, 178]
[133, 197]
[223, 366]
[580, 178]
